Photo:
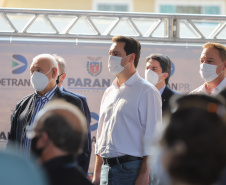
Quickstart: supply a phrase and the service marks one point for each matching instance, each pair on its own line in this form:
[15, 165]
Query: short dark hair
[131, 46]
[164, 62]
[62, 133]
[204, 136]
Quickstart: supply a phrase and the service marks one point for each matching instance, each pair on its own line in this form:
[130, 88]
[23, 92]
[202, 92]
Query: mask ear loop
[221, 71]
[57, 80]
[160, 80]
[49, 71]
[123, 58]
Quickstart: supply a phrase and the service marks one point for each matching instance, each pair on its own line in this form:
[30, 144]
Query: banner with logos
[87, 73]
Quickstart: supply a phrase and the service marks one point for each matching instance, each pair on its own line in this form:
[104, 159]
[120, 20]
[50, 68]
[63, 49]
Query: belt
[120, 160]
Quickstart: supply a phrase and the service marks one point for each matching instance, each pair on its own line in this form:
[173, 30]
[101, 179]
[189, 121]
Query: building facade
[152, 6]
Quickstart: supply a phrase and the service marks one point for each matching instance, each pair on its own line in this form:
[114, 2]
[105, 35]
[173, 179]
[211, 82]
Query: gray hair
[61, 62]
[50, 58]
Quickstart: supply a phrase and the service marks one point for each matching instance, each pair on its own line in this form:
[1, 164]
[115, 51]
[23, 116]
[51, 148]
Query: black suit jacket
[167, 93]
[23, 114]
[63, 171]
[84, 158]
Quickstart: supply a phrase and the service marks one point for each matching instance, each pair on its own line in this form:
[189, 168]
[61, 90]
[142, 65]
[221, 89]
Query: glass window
[112, 7]
[167, 9]
[190, 9]
[211, 10]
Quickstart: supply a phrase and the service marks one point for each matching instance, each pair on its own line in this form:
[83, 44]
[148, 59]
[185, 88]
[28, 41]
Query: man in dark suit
[157, 72]
[84, 158]
[57, 137]
[44, 72]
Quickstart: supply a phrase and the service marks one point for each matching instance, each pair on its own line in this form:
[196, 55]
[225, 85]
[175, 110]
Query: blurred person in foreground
[84, 158]
[192, 148]
[212, 69]
[15, 169]
[157, 72]
[57, 138]
[43, 73]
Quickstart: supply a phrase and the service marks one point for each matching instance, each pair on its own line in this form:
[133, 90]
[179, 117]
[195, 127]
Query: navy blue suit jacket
[84, 158]
[166, 95]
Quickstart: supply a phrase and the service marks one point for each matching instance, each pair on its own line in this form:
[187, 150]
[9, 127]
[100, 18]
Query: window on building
[190, 9]
[112, 7]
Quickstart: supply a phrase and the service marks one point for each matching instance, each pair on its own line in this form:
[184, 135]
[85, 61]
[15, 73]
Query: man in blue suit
[157, 72]
[84, 158]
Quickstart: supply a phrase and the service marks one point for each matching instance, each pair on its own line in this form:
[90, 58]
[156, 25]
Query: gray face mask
[39, 80]
[37, 152]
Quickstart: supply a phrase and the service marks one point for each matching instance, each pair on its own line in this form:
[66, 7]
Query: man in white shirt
[129, 115]
[212, 69]
[157, 72]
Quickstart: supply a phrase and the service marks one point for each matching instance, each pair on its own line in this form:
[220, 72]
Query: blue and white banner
[87, 73]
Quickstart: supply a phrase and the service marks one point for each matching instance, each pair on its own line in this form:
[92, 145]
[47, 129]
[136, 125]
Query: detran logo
[19, 64]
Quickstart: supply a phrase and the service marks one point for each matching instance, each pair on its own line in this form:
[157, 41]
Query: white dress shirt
[216, 90]
[162, 89]
[129, 116]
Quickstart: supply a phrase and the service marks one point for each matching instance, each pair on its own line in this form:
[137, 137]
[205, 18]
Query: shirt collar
[48, 95]
[162, 89]
[61, 88]
[130, 81]
[221, 85]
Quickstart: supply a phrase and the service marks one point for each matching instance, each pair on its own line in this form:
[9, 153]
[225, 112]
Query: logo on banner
[19, 64]
[172, 68]
[94, 119]
[94, 66]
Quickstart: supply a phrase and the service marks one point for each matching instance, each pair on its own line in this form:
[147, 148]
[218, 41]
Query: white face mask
[39, 80]
[114, 64]
[208, 72]
[152, 77]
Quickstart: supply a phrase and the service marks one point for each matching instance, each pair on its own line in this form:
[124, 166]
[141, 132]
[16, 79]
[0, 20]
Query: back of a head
[201, 137]
[209, 103]
[64, 124]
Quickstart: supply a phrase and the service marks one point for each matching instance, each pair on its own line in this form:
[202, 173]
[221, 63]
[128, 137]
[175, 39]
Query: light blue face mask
[40, 81]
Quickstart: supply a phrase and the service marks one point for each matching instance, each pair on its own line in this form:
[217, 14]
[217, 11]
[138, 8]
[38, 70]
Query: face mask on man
[36, 151]
[152, 77]
[114, 64]
[39, 80]
[208, 72]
